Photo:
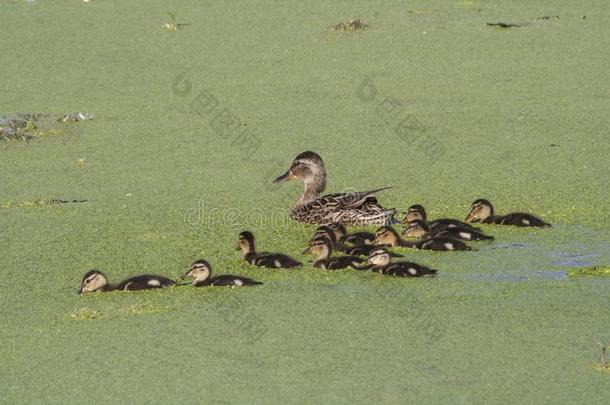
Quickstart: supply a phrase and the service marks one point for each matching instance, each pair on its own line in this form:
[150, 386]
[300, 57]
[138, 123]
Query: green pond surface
[192, 125]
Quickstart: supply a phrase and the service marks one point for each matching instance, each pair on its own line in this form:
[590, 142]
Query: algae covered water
[191, 126]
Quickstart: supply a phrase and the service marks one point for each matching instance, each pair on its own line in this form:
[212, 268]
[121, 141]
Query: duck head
[320, 247]
[386, 235]
[379, 258]
[246, 242]
[93, 280]
[309, 167]
[414, 213]
[416, 229]
[200, 271]
[480, 210]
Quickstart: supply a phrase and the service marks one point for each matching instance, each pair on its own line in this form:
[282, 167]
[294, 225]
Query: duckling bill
[95, 280]
[482, 211]
[201, 272]
[263, 259]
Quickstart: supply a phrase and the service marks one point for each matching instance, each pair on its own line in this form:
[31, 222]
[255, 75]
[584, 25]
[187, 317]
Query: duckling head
[309, 167]
[480, 210]
[416, 229]
[324, 231]
[386, 235]
[378, 257]
[414, 213]
[246, 242]
[339, 230]
[320, 246]
[200, 271]
[93, 280]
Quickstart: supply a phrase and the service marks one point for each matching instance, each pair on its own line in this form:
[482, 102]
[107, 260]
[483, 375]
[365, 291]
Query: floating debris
[173, 25]
[76, 116]
[351, 25]
[28, 126]
[507, 25]
[591, 271]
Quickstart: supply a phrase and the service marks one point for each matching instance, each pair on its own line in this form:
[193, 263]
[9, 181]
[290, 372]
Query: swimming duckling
[347, 208]
[263, 259]
[322, 248]
[388, 236]
[418, 212]
[95, 280]
[482, 211]
[358, 238]
[379, 261]
[419, 229]
[201, 272]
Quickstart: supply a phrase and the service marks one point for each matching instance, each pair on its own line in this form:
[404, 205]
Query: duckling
[201, 272]
[419, 229]
[379, 261]
[418, 212]
[388, 236]
[322, 248]
[358, 238]
[263, 259]
[482, 211]
[347, 208]
[95, 280]
[358, 250]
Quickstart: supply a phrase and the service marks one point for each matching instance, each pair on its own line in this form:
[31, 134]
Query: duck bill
[306, 251]
[471, 217]
[186, 275]
[284, 177]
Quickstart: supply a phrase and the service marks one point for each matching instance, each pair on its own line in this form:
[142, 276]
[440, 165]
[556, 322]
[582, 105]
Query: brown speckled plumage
[353, 208]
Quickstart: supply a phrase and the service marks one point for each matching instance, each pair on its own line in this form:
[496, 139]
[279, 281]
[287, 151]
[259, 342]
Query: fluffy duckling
[95, 280]
[201, 272]
[482, 211]
[322, 248]
[388, 236]
[418, 212]
[263, 259]
[379, 261]
[421, 230]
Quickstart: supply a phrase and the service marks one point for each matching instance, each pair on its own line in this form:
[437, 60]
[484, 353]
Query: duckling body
[346, 208]
[420, 229]
[323, 249]
[388, 236]
[483, 211]
[95, 280]
[418, 212]
[360, 238]
[380, 262]
[201, 272]
[263, 259]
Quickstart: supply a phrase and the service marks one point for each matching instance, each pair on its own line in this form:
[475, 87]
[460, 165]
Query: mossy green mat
[191, 126]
